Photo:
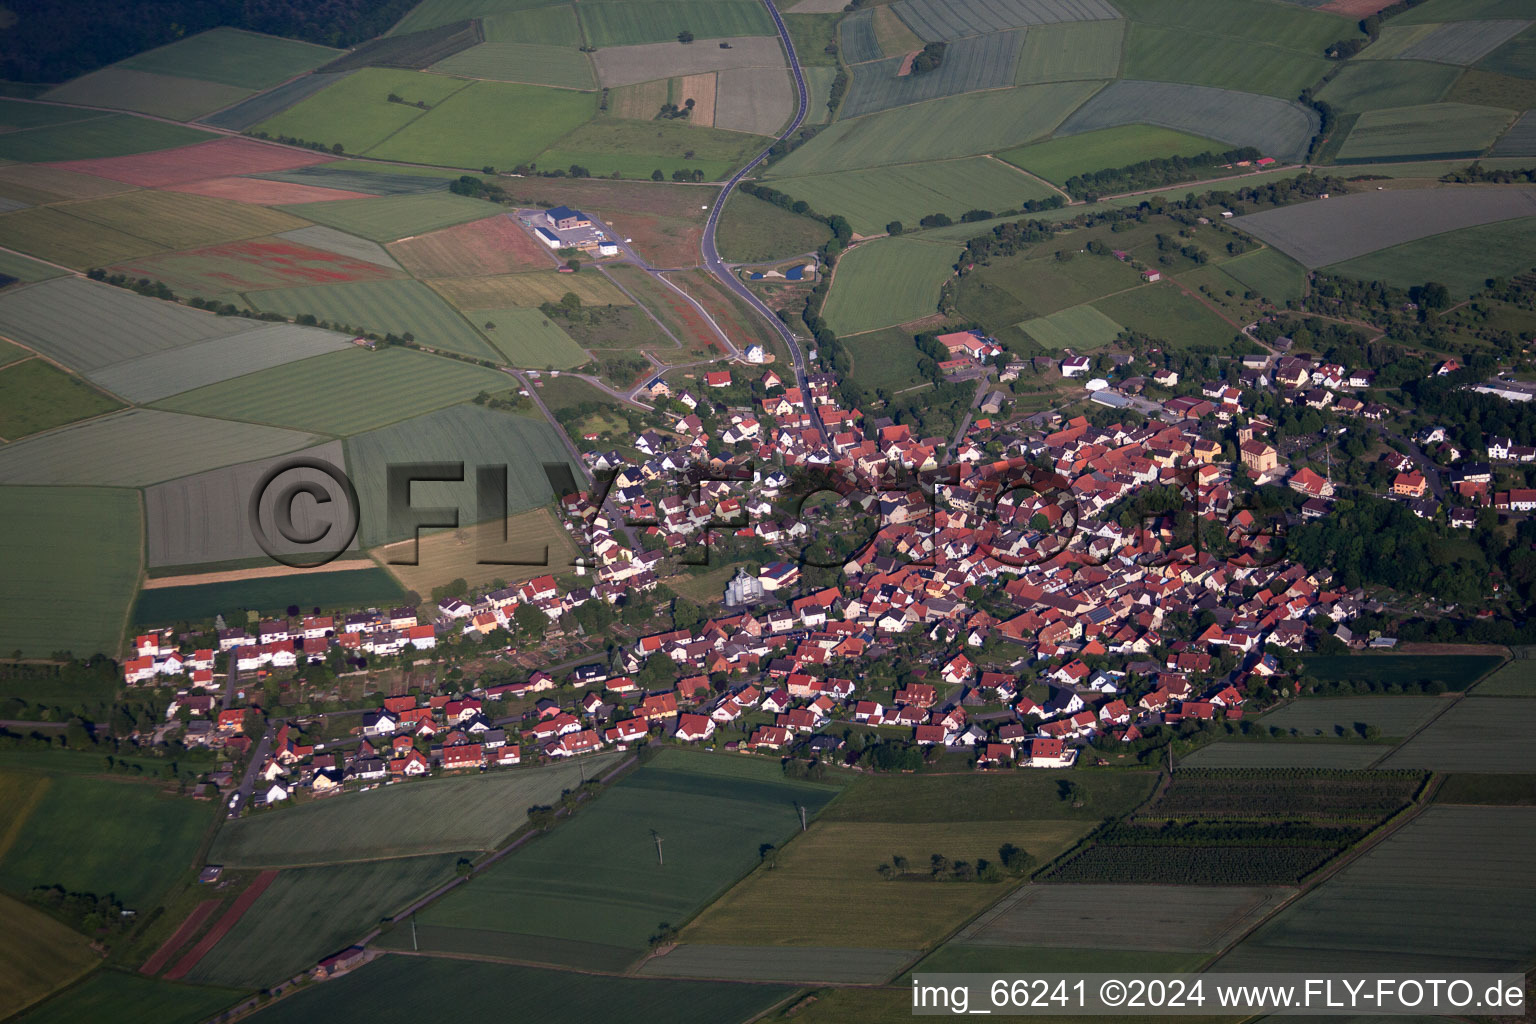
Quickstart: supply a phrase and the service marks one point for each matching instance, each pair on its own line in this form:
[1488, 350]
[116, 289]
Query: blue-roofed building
[563, 218]
[548, 237]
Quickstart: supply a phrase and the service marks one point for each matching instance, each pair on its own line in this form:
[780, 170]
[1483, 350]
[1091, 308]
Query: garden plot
[471, 434]
[756, 100]
[215, 159]
[408, 309]
[1276, 127]
[970, 65]
[162, 374]
[630, 65]
[952, 19]
[138, 447]
[953, 126]
[1327, 231]
[203, 519]
[1453, 890]
[119, 88]
[88, 326]
[341, 393]
[1428, 130]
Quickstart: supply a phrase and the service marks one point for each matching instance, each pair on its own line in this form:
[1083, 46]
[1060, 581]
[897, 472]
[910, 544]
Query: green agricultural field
[119, 88]
[37, 955]
[887, 282]
[1269, 272]
[532, 289]
[414, 986]
[118, 997]
[550, 26]
[1478, 734]
[836, 964]
[51, 234]
[309, 913]
[1174, 54]
[559, 66]
[1373, 85]
[136, 447]
[382, 307]
[12, 353]
[106, 135]
[1061, 158]
[591, 892]
[1285, 25]
[1516, 57]
[1449, 891]
[885, 359]
[608, 23]
[833, 867]
[498, 124]
[15, 114]
[152, 377]
[874, 197]
[179, 220]
[344, 392]
[356, 112]
[104, 835]
[1499, 790]
[232, 57]
[1191, 919]
[1516, 679]
[1162, 311]
[67, 547]
[970, 957]
[526, 337]
[391, 217]
[970, 65]
[1434, 129]
[753, 231]
[1010, 796]
[272, 595]
[818, 83]
[428, 816]
[1456, 671]
[608, 146]
[1279, 754]
[1347, 716]
[1080, 328]
[1461, 260]
[1071, 51]
[949, 127]
[36, 395]
[1020, 288]
[1278, 128]
[1481, 88]
[472, 434]
[23, 269]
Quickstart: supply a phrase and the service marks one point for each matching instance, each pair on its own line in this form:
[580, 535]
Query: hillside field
[886, 282]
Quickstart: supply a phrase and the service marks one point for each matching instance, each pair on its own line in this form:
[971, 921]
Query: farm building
[563, 218]
[548, 237]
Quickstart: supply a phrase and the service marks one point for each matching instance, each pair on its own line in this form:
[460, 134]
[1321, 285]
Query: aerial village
[1040, 628]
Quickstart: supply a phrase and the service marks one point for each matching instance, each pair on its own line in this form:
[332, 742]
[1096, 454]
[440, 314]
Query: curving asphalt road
[716, 266]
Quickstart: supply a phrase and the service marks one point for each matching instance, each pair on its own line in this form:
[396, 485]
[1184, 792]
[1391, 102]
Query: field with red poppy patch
[216, 159]
[481, 248]
[251, 266]
[264, 192]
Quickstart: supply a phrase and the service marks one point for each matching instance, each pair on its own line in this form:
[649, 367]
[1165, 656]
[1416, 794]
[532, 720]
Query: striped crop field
[398, 307]
[954, 19]
[1432, 129]
[953, 126]
[343, 393]
[162, 374]
[526, 337]
[391, 217]
[1070, 51]
[873, 197]
[623, 23]
[1277, 127]
[970, 65]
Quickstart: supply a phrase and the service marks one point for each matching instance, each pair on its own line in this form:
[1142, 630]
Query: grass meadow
[37, 955]
[1162, 311]
[1077, 327]
[754, 231]
[36, 395]
[118, 997]
[1059, 159]
[887, 282]
[525, 337]
[382, 307]
[499, 124]
[73, 548]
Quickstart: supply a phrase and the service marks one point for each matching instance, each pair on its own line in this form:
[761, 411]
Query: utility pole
[1170, 759]
[801, 809]
[657, 836]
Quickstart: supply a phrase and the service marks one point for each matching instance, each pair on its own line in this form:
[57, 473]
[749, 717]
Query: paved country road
[716, 266]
